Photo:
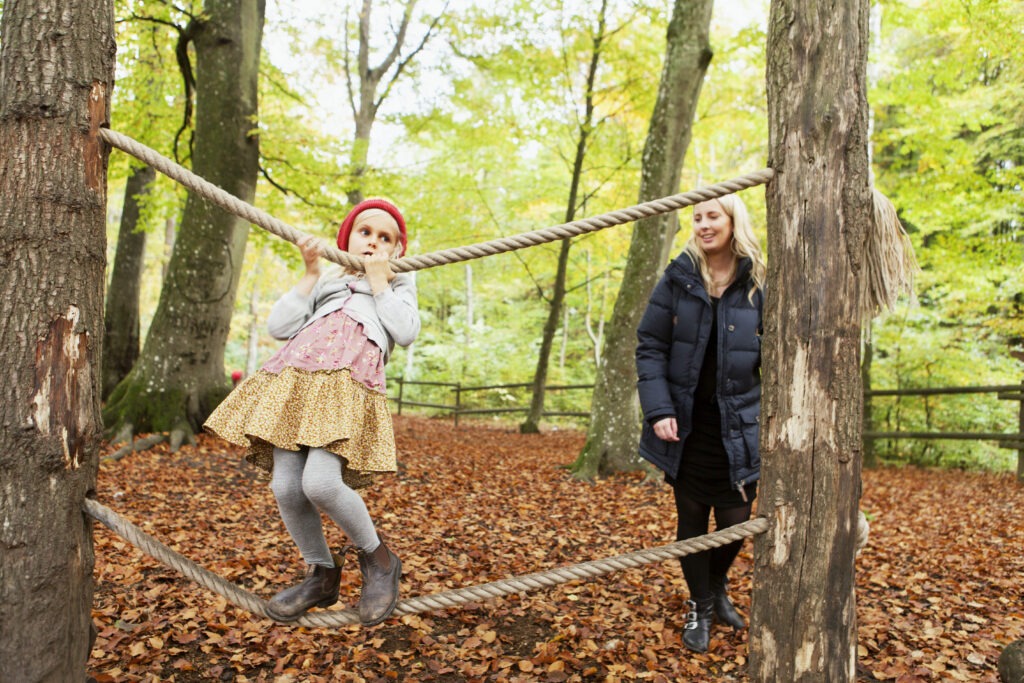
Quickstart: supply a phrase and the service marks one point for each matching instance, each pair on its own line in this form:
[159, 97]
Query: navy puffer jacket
[672, 337]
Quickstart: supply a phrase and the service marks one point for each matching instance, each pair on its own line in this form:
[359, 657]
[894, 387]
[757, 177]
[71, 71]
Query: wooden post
[458, 402]
[819, 209]
[1020, 430]
[401, 392]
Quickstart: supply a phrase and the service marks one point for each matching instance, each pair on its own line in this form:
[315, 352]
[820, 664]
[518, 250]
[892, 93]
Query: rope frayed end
[889, 262]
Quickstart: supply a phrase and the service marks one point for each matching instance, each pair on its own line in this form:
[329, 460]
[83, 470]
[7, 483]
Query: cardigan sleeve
[290, 313]
[398, 309]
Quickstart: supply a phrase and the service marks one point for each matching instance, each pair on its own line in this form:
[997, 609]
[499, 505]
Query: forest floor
[939, 585]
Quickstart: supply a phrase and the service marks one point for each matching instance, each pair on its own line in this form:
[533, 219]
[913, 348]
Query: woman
[698, 363]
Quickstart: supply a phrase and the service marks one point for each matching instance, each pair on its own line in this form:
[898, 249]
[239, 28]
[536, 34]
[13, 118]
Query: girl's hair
[744, 244]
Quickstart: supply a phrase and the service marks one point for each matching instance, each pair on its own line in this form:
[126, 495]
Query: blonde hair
[744, 244]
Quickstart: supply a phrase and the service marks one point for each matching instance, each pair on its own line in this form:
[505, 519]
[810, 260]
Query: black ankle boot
[724, 609]
[697, 632]
[318, 589]
[381, 571]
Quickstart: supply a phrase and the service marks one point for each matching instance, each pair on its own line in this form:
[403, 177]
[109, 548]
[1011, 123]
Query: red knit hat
[374, 203]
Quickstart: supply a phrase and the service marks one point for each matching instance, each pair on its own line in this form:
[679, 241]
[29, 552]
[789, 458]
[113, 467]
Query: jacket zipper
[742, 490]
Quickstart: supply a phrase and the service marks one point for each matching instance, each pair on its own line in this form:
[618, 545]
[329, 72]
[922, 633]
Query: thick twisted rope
[229, 202]
[454, 598]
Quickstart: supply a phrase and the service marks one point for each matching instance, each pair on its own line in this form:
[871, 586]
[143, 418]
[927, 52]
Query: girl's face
[712, 227]
[374, 234]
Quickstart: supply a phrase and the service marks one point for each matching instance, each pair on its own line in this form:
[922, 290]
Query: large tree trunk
[179, 378]
[56, 75]
[819, 211]
[614, 430]
[121, 320]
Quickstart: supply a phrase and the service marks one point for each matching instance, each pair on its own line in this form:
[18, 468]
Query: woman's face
[712, 227]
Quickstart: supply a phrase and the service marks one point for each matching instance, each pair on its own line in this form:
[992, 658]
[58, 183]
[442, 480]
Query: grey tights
[304, 483]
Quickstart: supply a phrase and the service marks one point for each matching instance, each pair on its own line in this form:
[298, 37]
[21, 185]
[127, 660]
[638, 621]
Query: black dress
[704, 469]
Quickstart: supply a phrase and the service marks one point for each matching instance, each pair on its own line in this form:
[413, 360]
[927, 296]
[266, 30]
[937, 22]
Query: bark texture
[179, 377]
[615, 410]
[819, 208]
[121, 320]
[56, 75]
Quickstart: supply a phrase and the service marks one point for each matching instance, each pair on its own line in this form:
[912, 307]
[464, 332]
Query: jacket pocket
[664, 454]
[650, 441]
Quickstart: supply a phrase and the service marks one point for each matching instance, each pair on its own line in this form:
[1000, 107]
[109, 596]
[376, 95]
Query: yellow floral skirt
[298, 408]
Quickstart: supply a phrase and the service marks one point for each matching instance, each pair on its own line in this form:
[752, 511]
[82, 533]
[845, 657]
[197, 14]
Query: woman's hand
[378, 271]
[666, 429]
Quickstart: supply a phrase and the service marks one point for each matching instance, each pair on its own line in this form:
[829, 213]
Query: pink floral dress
[324, 388]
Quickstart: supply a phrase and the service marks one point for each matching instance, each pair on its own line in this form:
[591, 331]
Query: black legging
[698, 568]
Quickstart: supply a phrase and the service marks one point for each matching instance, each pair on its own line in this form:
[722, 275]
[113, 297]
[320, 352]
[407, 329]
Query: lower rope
[330, 618]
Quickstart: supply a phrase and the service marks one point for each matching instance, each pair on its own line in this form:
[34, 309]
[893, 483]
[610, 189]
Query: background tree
[948, 151]
[614, 422]
[56, 75]
[586, 131]
[488, 156]
[146, 38]
[179, 377]
[364, 83]
[121, 324]
[819, 212]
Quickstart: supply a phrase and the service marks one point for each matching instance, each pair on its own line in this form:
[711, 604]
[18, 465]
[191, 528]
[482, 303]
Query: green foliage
[948, 151]
[475, 141]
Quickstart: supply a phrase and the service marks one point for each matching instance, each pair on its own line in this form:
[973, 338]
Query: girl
[698, 362]
[317, 416]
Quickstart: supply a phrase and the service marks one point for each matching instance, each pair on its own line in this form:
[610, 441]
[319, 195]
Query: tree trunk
[367, 83]
[540, 376]
[870, 452]
[121, 320]
[253, 333]
[179, 377]
[56, 75]
[170, 235]
[531, 425]
[819, 212]
[614, 431]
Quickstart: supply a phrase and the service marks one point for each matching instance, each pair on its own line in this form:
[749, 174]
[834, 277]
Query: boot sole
[326, 602]
[391, 607]
[725, 622]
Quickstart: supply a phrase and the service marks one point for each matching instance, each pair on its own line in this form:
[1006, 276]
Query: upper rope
[278, 227]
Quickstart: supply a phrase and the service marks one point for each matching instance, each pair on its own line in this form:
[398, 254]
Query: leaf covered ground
[939, 586]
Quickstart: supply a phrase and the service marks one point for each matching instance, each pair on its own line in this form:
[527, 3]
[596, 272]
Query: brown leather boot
[381, 571]
[318, 589]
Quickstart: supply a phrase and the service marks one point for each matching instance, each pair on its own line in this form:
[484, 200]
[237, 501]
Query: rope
[261, 218]
[327, 618]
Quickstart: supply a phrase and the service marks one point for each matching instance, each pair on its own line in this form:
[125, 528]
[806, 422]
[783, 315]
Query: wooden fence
[462, 404]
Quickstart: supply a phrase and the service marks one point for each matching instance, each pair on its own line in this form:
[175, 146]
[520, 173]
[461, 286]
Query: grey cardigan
[389, 317]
